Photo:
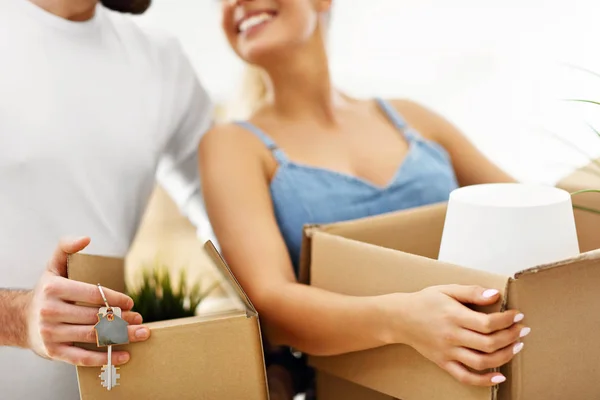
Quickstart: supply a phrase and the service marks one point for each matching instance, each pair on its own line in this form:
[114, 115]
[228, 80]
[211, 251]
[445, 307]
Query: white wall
[493, 67]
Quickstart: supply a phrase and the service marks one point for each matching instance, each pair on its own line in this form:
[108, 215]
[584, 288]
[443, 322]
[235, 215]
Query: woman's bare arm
[238, 202]
[470, 164]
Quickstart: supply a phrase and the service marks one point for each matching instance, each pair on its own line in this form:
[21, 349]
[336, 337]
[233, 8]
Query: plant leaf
[585, 191]
[575, 148]
[582, 208]
[210, 289]
[587, 209]
[160, 298]
[587, 71]
[585, 101]
[593, 171]
[594, 130]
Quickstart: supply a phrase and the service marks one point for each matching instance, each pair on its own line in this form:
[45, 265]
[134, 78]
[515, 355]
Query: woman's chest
[311, 196]
[369, 150]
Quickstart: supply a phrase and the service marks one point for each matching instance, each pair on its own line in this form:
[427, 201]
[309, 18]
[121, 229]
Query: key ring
[109, 310]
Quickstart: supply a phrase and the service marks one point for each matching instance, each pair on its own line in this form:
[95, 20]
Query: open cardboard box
[397, 252]
[209, 357]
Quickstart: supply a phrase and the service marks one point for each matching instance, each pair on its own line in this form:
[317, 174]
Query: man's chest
[74, 111]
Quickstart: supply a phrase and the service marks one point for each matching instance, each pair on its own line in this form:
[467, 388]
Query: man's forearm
[13, 320]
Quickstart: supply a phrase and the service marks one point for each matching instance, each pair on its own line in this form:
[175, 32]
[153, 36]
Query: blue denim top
[303, 194]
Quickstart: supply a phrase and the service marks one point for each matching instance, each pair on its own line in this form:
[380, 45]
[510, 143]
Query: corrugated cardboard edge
[511, 370]
[503, 307]
[305, 253]
[222, 266]
[589, 256]
[309, 229]
[251, 312]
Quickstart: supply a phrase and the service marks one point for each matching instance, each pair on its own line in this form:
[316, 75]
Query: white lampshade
[507, 227]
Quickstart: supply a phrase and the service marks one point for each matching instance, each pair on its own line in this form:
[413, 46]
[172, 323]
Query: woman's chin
[257, 56]
[260, 52]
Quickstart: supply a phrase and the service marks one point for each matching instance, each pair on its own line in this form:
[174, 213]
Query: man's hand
[54, 322]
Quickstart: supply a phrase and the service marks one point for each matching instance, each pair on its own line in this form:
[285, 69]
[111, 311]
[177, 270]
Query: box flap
[225, 271]
[330, 387]
[386, 230]
[372, 270]
[107, 271]
[560, 360]
[110, 273]
[587, 223]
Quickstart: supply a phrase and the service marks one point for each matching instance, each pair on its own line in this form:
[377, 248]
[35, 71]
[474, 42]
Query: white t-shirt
[88, 113]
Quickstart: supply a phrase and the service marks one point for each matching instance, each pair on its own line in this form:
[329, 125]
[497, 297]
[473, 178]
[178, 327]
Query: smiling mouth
[254, 21]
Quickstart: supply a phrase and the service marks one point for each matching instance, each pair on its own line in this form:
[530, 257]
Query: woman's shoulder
[234, 135]
[233, 141]
[426, 121]
[411, 110]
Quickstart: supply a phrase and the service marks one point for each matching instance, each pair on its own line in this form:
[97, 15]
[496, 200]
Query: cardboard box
[397, 253]
[210, 357]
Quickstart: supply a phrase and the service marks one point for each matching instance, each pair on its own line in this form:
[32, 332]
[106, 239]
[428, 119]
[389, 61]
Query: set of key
[111, 330]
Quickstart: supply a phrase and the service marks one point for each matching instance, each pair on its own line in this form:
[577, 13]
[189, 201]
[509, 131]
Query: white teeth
[254, 20]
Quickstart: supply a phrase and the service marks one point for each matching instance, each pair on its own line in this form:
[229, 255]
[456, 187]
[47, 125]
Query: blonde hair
[255, 91]
[253, 95]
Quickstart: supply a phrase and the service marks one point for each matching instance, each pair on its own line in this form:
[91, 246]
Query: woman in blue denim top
[310, 154]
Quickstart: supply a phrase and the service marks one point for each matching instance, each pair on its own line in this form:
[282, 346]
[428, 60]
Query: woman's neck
[302, 86]
[73, 10]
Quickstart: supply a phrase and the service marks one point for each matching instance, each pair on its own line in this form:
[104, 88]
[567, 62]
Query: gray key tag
[111, 329]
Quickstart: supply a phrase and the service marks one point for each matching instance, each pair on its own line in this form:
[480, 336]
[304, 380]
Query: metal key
[111, 330]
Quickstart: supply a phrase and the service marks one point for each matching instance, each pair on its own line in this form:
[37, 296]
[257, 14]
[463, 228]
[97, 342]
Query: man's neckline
[53, 20]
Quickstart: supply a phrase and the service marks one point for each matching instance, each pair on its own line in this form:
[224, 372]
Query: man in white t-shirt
[91, 106]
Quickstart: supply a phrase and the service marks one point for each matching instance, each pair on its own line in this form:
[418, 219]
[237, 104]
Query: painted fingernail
[498, 379]
[73, 238]
[525, 332]
[141, 333]
[490, 293]
[123, 358]
[518, 347]
[519, 317]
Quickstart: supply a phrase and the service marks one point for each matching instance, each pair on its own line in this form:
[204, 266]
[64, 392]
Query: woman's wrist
[390, 322]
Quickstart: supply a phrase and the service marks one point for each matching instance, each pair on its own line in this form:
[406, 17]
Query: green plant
[596, 162]
[156, 298]
[588, 209]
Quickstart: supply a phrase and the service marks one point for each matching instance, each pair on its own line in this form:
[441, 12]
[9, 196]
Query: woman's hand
[438, 325]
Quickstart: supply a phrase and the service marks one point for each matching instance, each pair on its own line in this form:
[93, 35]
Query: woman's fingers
[463, 375]
[487, 323]
[484, 361]
[492, 342]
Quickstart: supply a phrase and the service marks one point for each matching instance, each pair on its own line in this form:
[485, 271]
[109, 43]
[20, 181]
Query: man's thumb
[66, 246]
[472, 294]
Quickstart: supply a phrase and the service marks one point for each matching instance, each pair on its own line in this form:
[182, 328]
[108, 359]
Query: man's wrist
[13, 317]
